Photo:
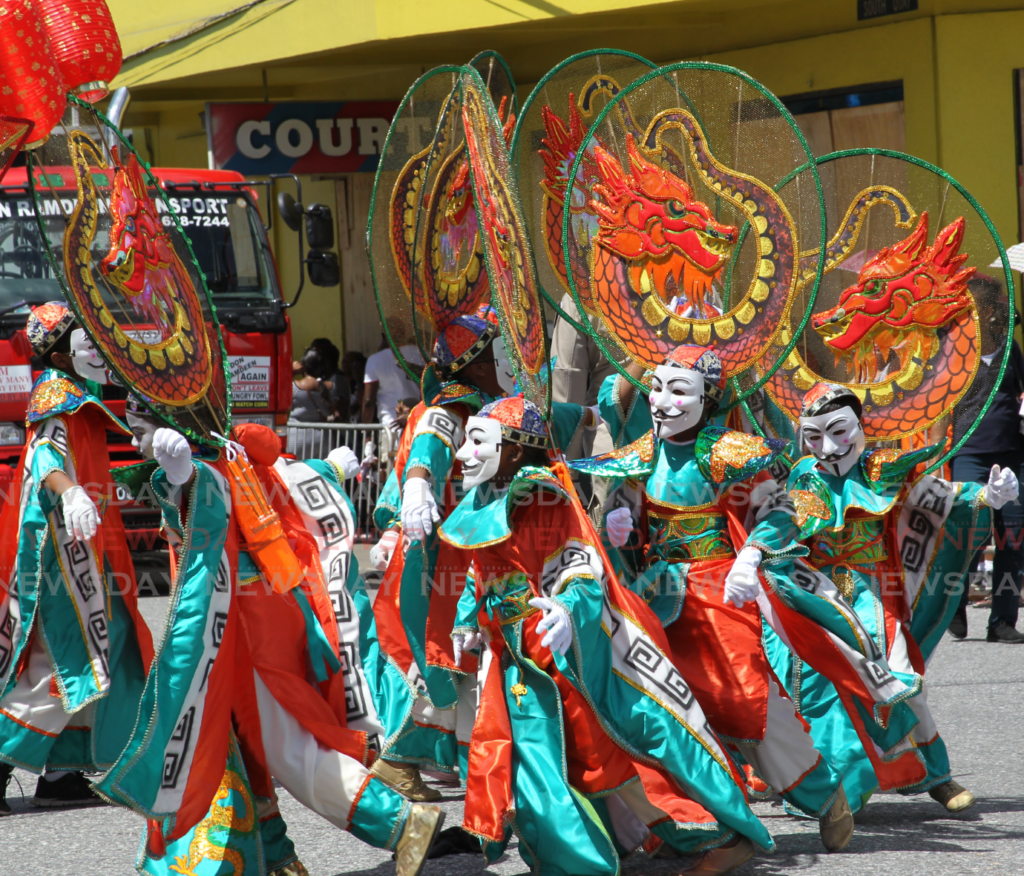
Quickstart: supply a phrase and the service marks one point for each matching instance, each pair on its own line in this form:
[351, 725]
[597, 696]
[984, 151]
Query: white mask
[480, 454]
[86, 361]
[837, 439]
[143, 430]
[677, 400]
[502, 366]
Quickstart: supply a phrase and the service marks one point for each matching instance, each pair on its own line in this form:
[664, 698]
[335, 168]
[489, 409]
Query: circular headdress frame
[543, 211]
[182, 375]
[930, 363]
[394, 250]
[515, 292]
[638, 318]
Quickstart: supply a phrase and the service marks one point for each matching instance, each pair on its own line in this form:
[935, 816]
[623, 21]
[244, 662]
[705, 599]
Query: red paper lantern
[30, 83]
[84, 43]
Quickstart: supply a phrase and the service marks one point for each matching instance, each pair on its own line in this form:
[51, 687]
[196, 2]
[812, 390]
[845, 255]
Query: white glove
[1001, 487]
[419, 509]
[466, 642]
[173, 454]
[81, 517]
[619, 525]
[346, 461]
[380, 553]
[742, 583]
[556, 622]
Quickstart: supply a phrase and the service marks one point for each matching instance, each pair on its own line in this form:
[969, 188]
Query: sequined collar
[55, 393]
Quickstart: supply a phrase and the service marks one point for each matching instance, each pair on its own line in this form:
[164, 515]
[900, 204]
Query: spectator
[386, 384]
[353, 366]
[342, 391]
[312, 395]
[996, 440]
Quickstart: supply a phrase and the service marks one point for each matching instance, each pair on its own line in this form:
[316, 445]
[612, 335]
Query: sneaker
[6, 771]
[958, 626]
[1003, 632]
[421, 829]
[723, 859]
[71, 789]
[836, 825]
[953, 796]
[405, 779]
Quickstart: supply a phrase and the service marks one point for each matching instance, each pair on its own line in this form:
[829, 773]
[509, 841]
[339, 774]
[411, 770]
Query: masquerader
[588, 742]
[691, 495]
[888, 551]
[248, 671]
[431, 726]
[73, 648]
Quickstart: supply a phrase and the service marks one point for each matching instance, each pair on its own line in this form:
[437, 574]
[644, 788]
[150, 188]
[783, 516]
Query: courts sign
[301, 137]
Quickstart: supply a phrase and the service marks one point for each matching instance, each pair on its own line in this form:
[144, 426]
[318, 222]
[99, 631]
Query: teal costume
[885, 555]
[68, 614]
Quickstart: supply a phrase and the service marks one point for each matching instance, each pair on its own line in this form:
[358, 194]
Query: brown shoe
[955, 797]
[421, 829]
[405, 779]
[836, 825]
[295, 868]
[723, 859]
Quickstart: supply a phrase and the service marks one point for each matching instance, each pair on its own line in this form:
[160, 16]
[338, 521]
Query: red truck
[218, 211]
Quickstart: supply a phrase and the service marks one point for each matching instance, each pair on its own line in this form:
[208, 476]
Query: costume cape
[556, 737]
[80, 598]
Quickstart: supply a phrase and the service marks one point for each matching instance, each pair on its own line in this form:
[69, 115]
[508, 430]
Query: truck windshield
[223, 227]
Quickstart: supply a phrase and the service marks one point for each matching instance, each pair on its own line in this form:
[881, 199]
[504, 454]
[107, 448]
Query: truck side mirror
[319, 227]
[323, 268]
[291, 212]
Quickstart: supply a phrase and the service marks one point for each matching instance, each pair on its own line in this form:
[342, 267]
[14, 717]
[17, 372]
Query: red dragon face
[906, 291]
[650, 217]
[128, 203]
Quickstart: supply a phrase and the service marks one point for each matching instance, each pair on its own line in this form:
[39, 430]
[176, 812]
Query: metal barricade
[374, 445]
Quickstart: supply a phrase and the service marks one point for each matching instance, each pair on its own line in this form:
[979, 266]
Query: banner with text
[300, 137]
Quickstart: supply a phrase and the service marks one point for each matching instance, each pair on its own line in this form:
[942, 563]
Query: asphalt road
[977, 695]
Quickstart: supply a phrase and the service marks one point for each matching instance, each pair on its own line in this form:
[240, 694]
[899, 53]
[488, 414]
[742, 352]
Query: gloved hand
[557, 624]
[81, 516]
[619, 524]
[1001, 488]
[346, 461]
[419, 509]
[742, 584]
[466, 642]
[380, 553]
[173, 454]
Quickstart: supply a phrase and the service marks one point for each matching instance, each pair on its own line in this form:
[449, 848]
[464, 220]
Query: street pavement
[977, 696]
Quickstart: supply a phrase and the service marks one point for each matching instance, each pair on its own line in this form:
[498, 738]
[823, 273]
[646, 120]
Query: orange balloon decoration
[30, 82]
[84, 43]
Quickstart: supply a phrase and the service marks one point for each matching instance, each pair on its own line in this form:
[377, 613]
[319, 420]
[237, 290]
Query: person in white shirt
[386, 384]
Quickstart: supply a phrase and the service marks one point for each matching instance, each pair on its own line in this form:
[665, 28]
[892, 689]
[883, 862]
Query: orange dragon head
[651, 217]
[133, 216]
[905, 293]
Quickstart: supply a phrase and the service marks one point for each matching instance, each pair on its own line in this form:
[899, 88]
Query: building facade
[940, 79]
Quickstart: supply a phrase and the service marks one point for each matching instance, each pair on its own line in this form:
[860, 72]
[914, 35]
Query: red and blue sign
[301, 137]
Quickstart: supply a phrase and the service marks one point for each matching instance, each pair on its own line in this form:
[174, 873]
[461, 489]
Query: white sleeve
[371, 375]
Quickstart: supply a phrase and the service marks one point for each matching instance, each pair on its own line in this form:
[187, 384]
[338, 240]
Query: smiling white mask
[143, 430]
[837, 439]
[677, 400]
[502, 366]
[480, 453]
[86, 361]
